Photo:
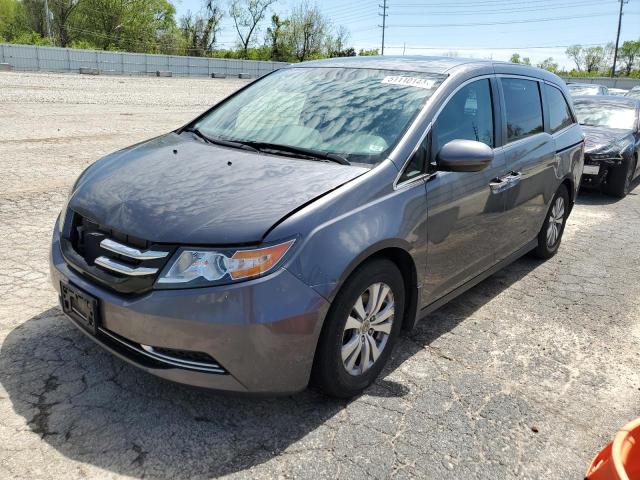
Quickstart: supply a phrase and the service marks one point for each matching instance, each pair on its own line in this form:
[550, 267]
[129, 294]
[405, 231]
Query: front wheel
[551, 233]
[619, 180]
[360, 330]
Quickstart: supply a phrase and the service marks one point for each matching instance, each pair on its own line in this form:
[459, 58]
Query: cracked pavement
[526, 375]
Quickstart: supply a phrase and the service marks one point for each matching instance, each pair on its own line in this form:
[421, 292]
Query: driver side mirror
[464, 156]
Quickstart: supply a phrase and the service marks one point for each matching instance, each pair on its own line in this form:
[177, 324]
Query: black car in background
[612, 127]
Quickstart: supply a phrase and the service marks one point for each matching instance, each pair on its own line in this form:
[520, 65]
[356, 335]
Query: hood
[174, 189]
[599, 138]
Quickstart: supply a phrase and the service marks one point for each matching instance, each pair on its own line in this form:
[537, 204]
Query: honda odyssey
[292, 231]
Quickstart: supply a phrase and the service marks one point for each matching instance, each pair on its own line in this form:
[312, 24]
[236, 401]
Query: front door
[465, 214]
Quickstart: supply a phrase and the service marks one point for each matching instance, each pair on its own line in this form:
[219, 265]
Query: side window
[523, 107]
[559, 112]
[467, 116]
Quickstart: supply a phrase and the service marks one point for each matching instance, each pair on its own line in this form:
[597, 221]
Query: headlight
[613, 150]
[207, 267]
[63, 212]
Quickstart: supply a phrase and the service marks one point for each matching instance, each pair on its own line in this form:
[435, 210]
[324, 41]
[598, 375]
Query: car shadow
[94, 408]
[594, 196]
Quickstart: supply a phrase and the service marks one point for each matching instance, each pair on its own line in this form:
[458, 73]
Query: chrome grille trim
[123, 269]
[209, 368]
[130, 252]
[189, 363]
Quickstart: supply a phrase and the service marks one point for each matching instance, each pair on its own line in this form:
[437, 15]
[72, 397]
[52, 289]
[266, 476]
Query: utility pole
[47, 18]
[384, 16]
[615, 53]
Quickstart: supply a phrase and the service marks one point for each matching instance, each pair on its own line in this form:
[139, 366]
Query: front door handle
[505, 182]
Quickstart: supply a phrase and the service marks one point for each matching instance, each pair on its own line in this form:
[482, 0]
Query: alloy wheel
[367, 329]
[556, 220]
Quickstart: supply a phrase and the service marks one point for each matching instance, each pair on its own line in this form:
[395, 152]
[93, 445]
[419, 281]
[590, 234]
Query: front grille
[121, 262]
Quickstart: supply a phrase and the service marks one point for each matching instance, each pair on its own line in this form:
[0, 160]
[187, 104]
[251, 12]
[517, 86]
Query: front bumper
[262, 332]
[604, 166]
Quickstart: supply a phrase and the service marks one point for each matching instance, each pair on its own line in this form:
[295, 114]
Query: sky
[468, 28]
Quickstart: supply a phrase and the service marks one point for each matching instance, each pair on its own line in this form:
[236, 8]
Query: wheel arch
[571, 189]
[398, 253]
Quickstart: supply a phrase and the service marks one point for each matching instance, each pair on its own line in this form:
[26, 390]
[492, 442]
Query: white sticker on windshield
[425, 83]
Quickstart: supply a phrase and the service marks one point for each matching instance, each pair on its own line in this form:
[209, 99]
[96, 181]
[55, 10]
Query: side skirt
[475, 280]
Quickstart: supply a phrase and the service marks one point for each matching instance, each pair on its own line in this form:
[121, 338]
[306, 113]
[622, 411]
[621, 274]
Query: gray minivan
[290, 232]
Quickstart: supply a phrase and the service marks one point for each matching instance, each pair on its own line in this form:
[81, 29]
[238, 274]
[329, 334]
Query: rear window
[559, 112]
[523, 108]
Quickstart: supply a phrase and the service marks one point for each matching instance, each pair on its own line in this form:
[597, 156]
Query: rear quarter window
[559, 111]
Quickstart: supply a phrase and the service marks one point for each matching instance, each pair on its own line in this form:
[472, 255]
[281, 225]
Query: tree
[246, 15]
[276, 34]
[13, 19]
[515, 58]
[629, 54]
[336, 43]
[369, 53]
[308, 28]
[36, 20]
[200, 31]
[549, 64]
[61, 11]
[575, 53]
[129, 25]
[594, 59]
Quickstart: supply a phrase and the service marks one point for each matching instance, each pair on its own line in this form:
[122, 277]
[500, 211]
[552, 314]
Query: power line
[509, 22]
[491, 3]
[514, 10]
[529, 47]
[384, 16]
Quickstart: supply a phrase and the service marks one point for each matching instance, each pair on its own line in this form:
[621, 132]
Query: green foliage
[30, 38]
[629, 56]
[151, 26]
[549, 64]
[368, 53]
[83, 44]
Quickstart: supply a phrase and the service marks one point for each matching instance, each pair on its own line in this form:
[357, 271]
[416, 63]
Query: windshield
[583, 90]
[601, 114]
[359, 114]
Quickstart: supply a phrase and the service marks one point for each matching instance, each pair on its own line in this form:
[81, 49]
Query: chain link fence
[54, 59]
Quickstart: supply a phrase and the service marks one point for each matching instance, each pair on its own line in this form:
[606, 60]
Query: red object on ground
[620, 460]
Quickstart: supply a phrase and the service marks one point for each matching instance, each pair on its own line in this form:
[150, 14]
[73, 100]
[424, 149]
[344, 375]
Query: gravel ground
[527, 375]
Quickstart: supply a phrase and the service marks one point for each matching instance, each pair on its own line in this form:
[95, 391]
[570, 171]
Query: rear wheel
[360, 330]
[619, 180]
[550, 235]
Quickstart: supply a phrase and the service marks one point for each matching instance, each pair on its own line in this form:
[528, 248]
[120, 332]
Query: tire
[548, 242]
[619, 180]
[347, 377]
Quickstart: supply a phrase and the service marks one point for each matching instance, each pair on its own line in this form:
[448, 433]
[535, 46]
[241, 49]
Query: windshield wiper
[219, 141]
[255, 146]
[302, 151]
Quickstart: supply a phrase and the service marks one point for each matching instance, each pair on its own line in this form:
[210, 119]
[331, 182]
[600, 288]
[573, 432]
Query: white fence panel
[30, 57]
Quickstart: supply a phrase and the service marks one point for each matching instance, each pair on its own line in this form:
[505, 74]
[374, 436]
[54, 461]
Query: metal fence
[625, 83]
[54, 59]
